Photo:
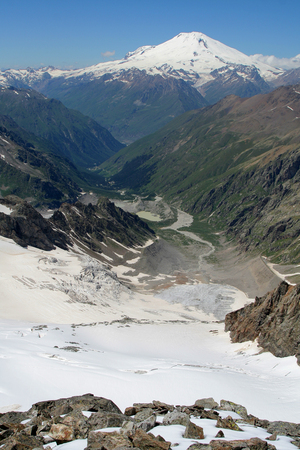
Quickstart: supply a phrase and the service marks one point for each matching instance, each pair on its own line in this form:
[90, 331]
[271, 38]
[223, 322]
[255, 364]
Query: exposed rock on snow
[274, 320]
[100, 424]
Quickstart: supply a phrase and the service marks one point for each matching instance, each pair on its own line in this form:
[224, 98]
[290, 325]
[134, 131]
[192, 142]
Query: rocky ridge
[54, 422]
[274, 320]
[87, 225]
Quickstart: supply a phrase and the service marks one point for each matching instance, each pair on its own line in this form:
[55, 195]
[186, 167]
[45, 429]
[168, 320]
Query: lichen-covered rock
[128, 428]
[143, 414]
[220, 434]
[176, 418]
[226, 405]
[161, 407]
[62, 433]
[78, 422]
[148, 423]
[86, 402]
[209, 414]
[193, 431]
[248, 444]
[21, 442]
[228, 423]
[284, 428]
[146, 441]
[130, 411]
[107, 440]
[105, 420]
[13, 417]
[207, 403]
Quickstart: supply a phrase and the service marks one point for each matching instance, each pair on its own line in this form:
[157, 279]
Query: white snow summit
[189, 56]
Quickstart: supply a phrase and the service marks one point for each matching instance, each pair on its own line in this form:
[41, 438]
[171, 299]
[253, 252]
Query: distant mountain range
[137, 95]
[235, 164]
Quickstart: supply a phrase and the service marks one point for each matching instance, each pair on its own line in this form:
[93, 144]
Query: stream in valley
[212, 298]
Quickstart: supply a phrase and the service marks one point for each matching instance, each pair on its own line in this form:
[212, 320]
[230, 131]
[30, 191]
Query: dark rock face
[273, 319]
[27, 227]
[92, 224]
[87, 224]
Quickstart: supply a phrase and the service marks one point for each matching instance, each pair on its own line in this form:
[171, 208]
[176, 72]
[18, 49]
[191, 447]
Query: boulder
[105, 420]
[143, 414]
[108, 441]
[13, 417]
[284, 428]
[146, 441]
[220, 434]
[209, 414]
[176, 418]
[62, 433]
[226, 405]
[86, 402]
[207, 403]
[128, 428]
[78, 422]
[193, 431]
[161, 407]
[228, 423]
[21, 442]
[248, 444]
[148, 423]
[130, 411]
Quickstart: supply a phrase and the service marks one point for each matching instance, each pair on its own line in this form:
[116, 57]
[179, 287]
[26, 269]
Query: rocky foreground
[53, 422]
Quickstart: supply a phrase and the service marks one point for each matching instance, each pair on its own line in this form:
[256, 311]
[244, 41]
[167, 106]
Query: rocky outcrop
[93, 224]
[53, 422]
[86, 224]
[27, 227]
[274, 320]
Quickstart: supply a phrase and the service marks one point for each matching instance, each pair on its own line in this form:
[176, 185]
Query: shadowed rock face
[92, 224]
[87, 224]
[274, 320]
[27, 227]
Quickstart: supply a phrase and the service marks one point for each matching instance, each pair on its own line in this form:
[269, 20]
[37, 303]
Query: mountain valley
[226, 164]
[131, 255]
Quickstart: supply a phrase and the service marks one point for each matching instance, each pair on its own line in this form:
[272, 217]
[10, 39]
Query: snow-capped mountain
[142, 92]
[189, 56]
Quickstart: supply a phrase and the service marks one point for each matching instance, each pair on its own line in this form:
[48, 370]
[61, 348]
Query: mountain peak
[191, 56]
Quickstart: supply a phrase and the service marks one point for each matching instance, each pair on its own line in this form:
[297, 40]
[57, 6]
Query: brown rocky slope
[274, 320]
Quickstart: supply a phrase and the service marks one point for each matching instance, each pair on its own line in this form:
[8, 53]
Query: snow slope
[129, 347]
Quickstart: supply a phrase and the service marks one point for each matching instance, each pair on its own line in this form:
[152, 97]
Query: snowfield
[69, 327]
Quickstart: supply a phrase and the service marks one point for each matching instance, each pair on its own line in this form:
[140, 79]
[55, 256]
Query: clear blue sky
[76, 33]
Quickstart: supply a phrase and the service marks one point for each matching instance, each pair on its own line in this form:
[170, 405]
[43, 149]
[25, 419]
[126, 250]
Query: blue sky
[77, 33]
